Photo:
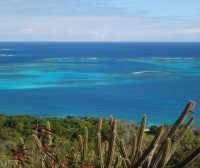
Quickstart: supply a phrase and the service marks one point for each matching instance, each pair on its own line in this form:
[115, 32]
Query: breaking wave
[145, 72]
[6, 55]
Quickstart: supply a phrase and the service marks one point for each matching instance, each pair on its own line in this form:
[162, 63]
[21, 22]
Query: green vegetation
[27, 141]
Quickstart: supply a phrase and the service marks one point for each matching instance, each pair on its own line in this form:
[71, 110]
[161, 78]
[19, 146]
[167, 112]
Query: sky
[100, 20]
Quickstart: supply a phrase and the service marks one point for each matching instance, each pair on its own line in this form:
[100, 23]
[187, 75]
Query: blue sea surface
[124, 80]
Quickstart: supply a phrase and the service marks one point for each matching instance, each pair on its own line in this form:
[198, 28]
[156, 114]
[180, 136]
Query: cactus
[49, 137]
[124, 165]
[180, 137]
[150, 150]
[123, 152]
[116, 162]
[189, 159]
[114, 153]
[80, 140]
[99, 126]
[98, 145]
[111, 120]
[190, 106]
[85, 143]
[106, 146]
[98, 148]
[111, 143]
[140, 137]
[134, 146]
[166, 150]
[37, 141]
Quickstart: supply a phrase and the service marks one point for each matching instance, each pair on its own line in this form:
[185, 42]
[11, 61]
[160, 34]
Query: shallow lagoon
[100, 79]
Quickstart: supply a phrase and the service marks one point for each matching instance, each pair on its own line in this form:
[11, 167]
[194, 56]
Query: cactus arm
[150, 149]
[49, 137]
[85, 143]
[124, 165]
[134, 145]
[166, 150]
[122, 150]
[111, 143]
[140, 137]
[186, 162]
[37, 141]
[182, 117]
[80, 140]
[116, 162]
[99, 126]
[180, 137]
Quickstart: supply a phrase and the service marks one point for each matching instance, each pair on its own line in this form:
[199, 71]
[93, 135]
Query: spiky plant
[114, 153]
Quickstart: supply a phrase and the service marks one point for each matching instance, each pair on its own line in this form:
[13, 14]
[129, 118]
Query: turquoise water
[125, 80]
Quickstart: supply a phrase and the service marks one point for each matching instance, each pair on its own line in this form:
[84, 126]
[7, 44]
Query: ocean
[125, 80]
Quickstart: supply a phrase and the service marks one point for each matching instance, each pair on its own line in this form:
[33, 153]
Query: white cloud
[91, 28]
[189, 30]
[27, 30]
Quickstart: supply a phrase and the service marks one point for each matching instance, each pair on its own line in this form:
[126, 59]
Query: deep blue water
[125, 80]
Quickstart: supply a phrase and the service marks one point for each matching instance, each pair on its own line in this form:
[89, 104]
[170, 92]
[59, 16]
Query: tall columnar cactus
[98, 148]
[106, 146]
[111, 120]
[99, 126]
[187, 161]
[188, 109]
[98, 145]
[124, 165]
[147, 154]
[123, 152]
[171, 133]
[111, 143]
[140, 137]
[85, 142]
[37, 141]
[98, 151]
[114, 153]
[166, 150]
[133, 148]
[179, 137]
[21, 142]
[49, 136]
[81, 150]
[116, 165]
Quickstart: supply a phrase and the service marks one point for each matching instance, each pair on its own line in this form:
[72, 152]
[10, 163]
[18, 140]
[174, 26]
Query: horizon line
[99, 41]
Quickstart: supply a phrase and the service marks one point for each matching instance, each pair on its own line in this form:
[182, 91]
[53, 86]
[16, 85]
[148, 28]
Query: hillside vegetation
[27, 141]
